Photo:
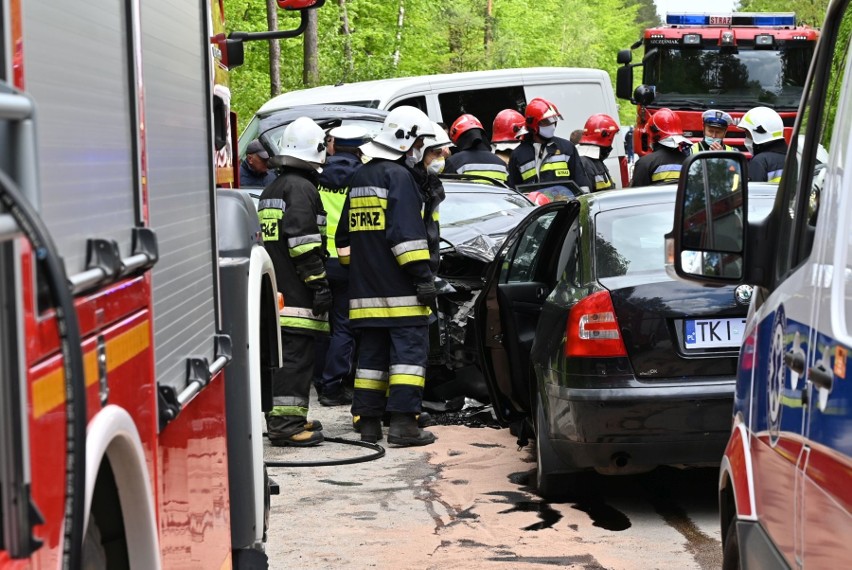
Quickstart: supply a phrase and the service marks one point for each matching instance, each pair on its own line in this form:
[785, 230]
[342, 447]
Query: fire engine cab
[732, 62]
[138, 307]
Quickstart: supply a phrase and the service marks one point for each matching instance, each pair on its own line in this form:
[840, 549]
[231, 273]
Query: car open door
[520, 278]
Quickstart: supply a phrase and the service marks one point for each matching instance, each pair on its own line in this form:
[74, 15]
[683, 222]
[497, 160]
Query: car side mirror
[709, 234]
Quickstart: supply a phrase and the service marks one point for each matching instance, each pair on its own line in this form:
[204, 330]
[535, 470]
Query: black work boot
[283, 432]
[405, 432]
[370, 428]
[339, 397]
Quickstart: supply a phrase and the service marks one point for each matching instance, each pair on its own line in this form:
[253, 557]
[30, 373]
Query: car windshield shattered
[468, 207]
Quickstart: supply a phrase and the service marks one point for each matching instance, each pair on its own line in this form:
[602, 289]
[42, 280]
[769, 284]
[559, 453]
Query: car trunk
[676, 329]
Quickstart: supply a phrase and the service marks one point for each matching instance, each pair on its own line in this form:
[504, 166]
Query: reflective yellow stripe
[289, 411]
[343, 259]
[368, 202]
[389, 312]
[560, 165]
[303, 249]
[366, 384]
[407, 380]
[416, 255]
[303, 323]
[665, 175]
[527, 174]
[315, 277]
[493, 174]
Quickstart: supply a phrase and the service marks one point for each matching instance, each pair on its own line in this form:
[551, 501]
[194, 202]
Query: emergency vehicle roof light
[788, 19]
[778, 19]
[726, 38]
[687, 19]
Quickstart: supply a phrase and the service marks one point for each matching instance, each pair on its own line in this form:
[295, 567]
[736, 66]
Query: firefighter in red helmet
[662, 166]
[506, 133]
[542, 156]
[595, 146]
[474, 156]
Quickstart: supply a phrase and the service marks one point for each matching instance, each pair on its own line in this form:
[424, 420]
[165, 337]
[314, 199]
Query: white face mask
[415, 156]
[436, 166]
[711, 140]
[749, 144]
[547, 132]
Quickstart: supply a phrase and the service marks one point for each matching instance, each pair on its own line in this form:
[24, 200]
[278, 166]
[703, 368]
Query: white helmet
[401, 129]
[763, 125]
[302, 145]
[440, 140]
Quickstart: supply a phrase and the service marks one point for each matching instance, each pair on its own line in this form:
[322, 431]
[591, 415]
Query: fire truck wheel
[94, 554]
[731, 553]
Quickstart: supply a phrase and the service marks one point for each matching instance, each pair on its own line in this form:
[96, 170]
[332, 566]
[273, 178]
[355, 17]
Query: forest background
[357, 40]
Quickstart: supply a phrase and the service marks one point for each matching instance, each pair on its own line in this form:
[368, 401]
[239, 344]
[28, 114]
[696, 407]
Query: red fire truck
[138, 310]
[732, 62]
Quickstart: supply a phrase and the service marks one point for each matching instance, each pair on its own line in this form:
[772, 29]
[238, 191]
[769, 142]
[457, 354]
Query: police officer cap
[255, 147]
[350, 135]
[717, 118]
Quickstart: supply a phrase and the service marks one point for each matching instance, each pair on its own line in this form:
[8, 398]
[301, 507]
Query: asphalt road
[468, 501]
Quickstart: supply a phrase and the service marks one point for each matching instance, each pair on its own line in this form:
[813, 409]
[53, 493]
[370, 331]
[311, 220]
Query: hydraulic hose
[72, 358]
[378, 450]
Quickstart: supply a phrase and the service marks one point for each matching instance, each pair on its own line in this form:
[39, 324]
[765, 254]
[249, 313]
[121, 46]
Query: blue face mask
[711, 140]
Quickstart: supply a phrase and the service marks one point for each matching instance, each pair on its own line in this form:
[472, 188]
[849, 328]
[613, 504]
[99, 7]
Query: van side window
[805, 171]
[484, 104]
[418, 102]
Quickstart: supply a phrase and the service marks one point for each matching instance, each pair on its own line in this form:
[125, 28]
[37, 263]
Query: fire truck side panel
[180, 184]
[83, 112]
[193, 488]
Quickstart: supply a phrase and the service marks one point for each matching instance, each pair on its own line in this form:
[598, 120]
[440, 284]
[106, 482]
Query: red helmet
[664, 124]
[508, 126]
[599, 130]
[463, 124]
[537, 110]
[300, 4]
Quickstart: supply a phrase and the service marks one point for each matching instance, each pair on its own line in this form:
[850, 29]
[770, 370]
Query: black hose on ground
[72, 358]
[379, 452]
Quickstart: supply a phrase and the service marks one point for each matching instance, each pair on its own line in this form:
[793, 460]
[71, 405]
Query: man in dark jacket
[474, 156]
[254, 168]
[293, 225]
[333, 187]
[765, 140]
[542, 156]
[595, 147]
[663, 165]
[391, 285]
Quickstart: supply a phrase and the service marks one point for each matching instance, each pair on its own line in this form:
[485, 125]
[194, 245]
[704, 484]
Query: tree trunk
[399, 23]
[347, 40]
[489, 25]
[310, 74]
[274, 49]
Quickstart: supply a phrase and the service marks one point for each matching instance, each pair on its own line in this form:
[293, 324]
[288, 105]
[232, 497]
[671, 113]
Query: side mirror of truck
[709, 234]
[624, 56]
[624, 82]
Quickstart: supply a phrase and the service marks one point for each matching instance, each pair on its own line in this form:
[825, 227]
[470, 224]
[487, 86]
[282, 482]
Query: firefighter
[333, 187]
[542, 156]
[391, 285]
[506, 131]
[716, 125]
[293, 224]
[595, 146]
[254, 168]
[432, 190]
[474, 155]
[765, 140]
[662, 166]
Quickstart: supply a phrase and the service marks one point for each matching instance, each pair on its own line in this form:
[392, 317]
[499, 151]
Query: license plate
[713, 333]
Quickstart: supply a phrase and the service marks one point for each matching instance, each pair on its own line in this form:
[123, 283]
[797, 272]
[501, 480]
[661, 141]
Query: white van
[577, 92]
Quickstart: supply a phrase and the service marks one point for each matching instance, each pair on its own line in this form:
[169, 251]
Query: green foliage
[810, 12]
[438, 36]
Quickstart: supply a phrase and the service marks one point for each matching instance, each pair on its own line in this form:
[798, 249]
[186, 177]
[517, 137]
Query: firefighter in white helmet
[391, 285]
[293, 225]
[765, 140]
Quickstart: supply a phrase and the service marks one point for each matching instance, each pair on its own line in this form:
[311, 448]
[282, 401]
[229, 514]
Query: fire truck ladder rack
[19, 202]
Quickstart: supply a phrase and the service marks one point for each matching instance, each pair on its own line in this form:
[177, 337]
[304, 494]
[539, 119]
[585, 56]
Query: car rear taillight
[625, 175]
[593, 329]
[747, 353]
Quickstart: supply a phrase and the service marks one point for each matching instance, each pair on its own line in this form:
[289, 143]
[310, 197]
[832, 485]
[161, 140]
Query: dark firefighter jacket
[659, 167]
[559, 161]
[477, 161]
[385, 245]
[333, 187]
[767, 164]
[432, 193]
[598, 174]
[293, 224]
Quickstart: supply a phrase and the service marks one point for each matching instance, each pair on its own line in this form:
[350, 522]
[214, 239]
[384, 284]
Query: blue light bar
[687, 19]
[775, 20]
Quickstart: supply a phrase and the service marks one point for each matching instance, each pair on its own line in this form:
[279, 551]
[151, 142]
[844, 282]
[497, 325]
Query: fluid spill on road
[587, 497]
[340, 483]
[547, 515]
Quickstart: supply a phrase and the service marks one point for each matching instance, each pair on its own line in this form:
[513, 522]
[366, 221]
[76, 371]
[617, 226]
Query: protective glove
[322, 300]
[426, 292]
